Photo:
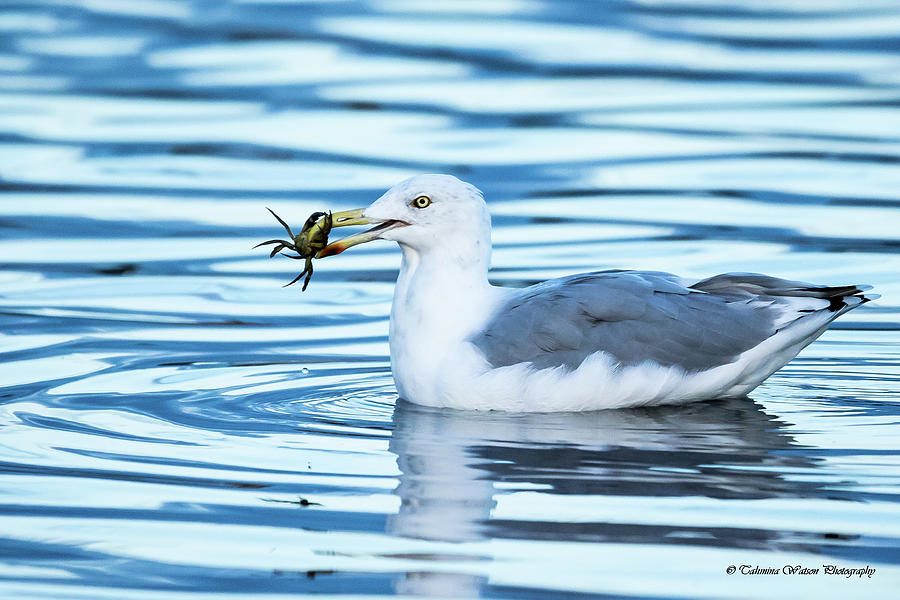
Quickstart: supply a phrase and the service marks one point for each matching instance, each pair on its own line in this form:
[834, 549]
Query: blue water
[174, 424]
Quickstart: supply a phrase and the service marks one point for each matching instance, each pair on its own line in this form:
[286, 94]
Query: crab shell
[311, 240]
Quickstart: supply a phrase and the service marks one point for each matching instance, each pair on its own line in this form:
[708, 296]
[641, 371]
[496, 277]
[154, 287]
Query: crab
[311, 240]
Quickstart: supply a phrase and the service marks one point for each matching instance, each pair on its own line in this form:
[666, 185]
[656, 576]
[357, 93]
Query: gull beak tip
[331, 250]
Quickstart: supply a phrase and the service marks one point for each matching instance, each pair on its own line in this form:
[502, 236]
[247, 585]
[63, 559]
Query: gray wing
[636, 316]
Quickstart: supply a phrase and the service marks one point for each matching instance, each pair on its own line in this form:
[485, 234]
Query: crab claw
[311, 221]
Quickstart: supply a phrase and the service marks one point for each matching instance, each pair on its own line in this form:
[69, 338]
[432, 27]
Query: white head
[437, 208]
[427, 214]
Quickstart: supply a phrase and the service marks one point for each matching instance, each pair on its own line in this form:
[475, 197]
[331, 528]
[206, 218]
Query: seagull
[600, 340]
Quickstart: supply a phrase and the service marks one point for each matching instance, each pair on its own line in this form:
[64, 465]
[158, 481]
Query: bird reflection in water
[455, 465]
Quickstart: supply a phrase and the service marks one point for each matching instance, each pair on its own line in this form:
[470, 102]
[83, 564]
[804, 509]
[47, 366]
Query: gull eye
[421, 202]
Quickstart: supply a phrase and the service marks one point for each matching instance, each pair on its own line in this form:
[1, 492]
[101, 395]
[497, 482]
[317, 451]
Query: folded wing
[639, 316]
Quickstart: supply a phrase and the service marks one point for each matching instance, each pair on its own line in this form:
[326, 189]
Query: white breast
[436, 308]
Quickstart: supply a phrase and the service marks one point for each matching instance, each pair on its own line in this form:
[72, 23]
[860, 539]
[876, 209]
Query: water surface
[176, 424]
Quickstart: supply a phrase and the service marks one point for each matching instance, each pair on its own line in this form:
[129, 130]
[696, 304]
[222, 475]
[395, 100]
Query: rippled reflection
[452, 463]
[607, 477]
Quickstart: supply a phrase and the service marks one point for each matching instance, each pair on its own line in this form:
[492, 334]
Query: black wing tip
[837, 291]
[839, 296]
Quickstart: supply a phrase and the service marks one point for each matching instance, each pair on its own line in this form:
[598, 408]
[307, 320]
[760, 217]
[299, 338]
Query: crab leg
[308, 271]
[280, 245]
[280, 220]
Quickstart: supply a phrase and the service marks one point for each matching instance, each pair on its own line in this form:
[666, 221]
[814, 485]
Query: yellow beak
[355, 217]
[346, 218]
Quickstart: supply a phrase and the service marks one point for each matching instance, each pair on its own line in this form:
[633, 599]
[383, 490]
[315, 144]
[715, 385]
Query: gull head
[424, 213]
